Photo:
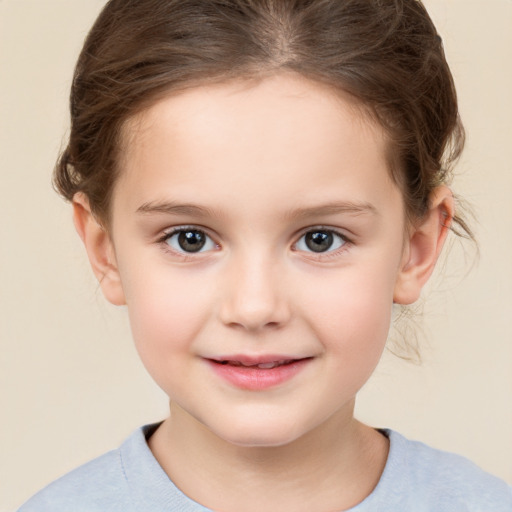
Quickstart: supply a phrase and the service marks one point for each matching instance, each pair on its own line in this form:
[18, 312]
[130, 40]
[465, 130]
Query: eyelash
[167, 235]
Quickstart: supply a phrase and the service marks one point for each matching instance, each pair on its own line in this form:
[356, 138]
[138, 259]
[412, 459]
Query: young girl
[259, 182]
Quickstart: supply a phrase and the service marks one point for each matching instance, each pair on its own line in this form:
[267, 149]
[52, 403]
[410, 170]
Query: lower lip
[257, 379]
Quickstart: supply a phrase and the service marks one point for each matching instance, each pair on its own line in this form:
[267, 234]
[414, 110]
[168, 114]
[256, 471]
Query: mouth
[258, 373]
[262, 366]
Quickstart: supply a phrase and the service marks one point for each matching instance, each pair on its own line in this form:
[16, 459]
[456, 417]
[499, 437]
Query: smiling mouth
[262, 366]
[258, 373]
[265, 364]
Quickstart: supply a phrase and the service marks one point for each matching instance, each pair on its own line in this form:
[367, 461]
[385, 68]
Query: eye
[320, 240]
[189, 240]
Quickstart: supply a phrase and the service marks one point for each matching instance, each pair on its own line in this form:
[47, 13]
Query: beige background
[71, 386]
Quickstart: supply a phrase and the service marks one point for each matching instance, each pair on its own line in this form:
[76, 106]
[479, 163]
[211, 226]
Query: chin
[252, 440]
[259, 434]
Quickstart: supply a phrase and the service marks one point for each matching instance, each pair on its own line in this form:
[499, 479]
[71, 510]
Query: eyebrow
[175, 209]
[348, 207]
[356, 208]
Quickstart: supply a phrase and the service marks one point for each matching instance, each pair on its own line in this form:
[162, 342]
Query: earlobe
[100, 250]
[424, 244]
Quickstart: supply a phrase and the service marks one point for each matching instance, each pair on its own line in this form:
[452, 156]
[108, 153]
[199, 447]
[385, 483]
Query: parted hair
[386, 54]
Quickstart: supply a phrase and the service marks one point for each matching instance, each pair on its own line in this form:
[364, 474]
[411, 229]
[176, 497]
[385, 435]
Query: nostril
[254, 326]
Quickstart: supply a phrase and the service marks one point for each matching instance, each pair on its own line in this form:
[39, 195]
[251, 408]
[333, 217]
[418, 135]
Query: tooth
[268, 365]
[263, 366]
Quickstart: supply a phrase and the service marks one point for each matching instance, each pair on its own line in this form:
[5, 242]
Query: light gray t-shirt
[416, 478]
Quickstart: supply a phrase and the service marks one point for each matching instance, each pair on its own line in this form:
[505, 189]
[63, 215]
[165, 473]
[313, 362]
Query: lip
[242, 370]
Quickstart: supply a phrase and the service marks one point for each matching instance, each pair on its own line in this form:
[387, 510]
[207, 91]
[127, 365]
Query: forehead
[282, 136]
[254, 102]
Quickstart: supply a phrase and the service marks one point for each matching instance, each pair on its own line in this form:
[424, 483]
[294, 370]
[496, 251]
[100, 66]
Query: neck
[333, 467]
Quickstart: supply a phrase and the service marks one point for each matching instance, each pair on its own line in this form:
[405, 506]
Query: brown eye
[190, 241]
[320, 240]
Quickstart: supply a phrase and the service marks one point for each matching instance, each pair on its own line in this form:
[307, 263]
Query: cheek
[352, 310]
[352, 325]
[166, 314]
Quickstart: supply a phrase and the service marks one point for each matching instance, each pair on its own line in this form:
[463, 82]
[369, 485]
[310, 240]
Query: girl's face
[258, 225]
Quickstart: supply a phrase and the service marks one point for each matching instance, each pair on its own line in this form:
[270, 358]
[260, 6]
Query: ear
[99, 248]
[424, 244]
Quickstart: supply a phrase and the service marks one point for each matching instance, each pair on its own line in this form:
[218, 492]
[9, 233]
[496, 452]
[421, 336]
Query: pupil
[319, 241]
[191, 241]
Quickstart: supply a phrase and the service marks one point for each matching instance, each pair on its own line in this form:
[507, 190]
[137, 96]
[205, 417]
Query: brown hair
[386, 53]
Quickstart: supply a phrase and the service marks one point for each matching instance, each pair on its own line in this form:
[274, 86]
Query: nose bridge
[254, 297]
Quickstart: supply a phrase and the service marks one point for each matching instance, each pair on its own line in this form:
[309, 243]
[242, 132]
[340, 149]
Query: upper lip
[250, 360]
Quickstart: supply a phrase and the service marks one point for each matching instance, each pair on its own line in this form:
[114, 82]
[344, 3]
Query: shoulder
[444, 480]
[128, 479]
[97, 485]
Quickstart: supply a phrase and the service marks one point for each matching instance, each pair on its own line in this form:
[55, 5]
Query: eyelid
[167, 232]
[321, 227]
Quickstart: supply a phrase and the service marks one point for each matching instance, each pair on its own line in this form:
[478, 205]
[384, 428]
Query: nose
[255, 297]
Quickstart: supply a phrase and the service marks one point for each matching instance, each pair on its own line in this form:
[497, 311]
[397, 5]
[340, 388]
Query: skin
[261, 165]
